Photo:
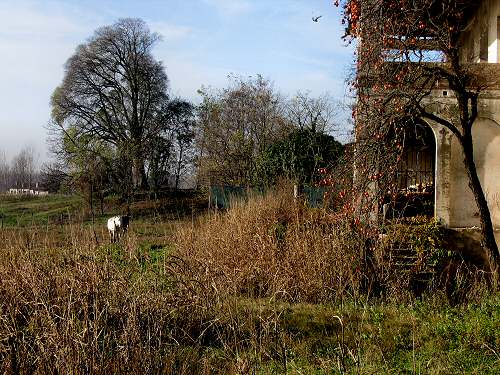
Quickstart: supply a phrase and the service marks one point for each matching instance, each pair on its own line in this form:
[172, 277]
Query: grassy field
[267, 287]
[152, 218]
[29, 210]
[19, 211]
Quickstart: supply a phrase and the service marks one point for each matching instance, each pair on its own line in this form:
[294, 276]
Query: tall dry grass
[219, 302]
[272, 246]
[69, 305]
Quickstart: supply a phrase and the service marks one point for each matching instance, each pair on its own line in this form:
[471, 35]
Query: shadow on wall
[463, 208]
[487, 155]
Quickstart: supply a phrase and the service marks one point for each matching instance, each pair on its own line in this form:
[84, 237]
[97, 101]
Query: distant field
[29, 210]
[153, 220]
[22, 211]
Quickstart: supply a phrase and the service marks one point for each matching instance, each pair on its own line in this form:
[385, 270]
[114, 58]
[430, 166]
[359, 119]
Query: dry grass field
[269, 286]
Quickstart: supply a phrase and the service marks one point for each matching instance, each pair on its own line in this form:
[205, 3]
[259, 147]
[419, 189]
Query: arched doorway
[415, 174]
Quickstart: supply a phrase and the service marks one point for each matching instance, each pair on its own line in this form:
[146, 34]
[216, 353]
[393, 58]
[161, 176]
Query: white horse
[117, 225]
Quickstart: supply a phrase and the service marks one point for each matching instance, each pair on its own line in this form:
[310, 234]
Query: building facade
[454, 202]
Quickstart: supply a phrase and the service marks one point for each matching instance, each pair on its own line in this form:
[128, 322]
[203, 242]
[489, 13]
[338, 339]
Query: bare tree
[314, 113]
[5, 180]
[115, 90]
[53, 177]
[407, 49]
[23, 168]
[235, 125]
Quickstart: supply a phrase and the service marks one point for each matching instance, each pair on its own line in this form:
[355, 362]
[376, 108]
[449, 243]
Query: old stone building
[454, 203]
[433, 164]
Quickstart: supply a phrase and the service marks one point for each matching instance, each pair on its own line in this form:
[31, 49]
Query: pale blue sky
[203, 41]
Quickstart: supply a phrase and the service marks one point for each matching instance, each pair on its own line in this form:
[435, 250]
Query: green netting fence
[221, 196]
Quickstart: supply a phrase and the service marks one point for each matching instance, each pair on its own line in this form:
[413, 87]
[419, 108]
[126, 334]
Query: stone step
[402, 250]
[406, 260]
[424, 273]
[403, 257]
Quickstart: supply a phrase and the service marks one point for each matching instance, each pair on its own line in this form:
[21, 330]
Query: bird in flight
[316, 19]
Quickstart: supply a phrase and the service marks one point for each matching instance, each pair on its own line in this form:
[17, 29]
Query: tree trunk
[101, 199]
[179, 167]
[487, 233]
[139, 179]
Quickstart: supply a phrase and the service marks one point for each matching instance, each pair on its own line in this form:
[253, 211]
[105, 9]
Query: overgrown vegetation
[269, 286]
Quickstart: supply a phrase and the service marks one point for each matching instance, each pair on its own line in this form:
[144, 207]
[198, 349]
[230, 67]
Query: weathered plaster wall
[455, 205]
[464, 212]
